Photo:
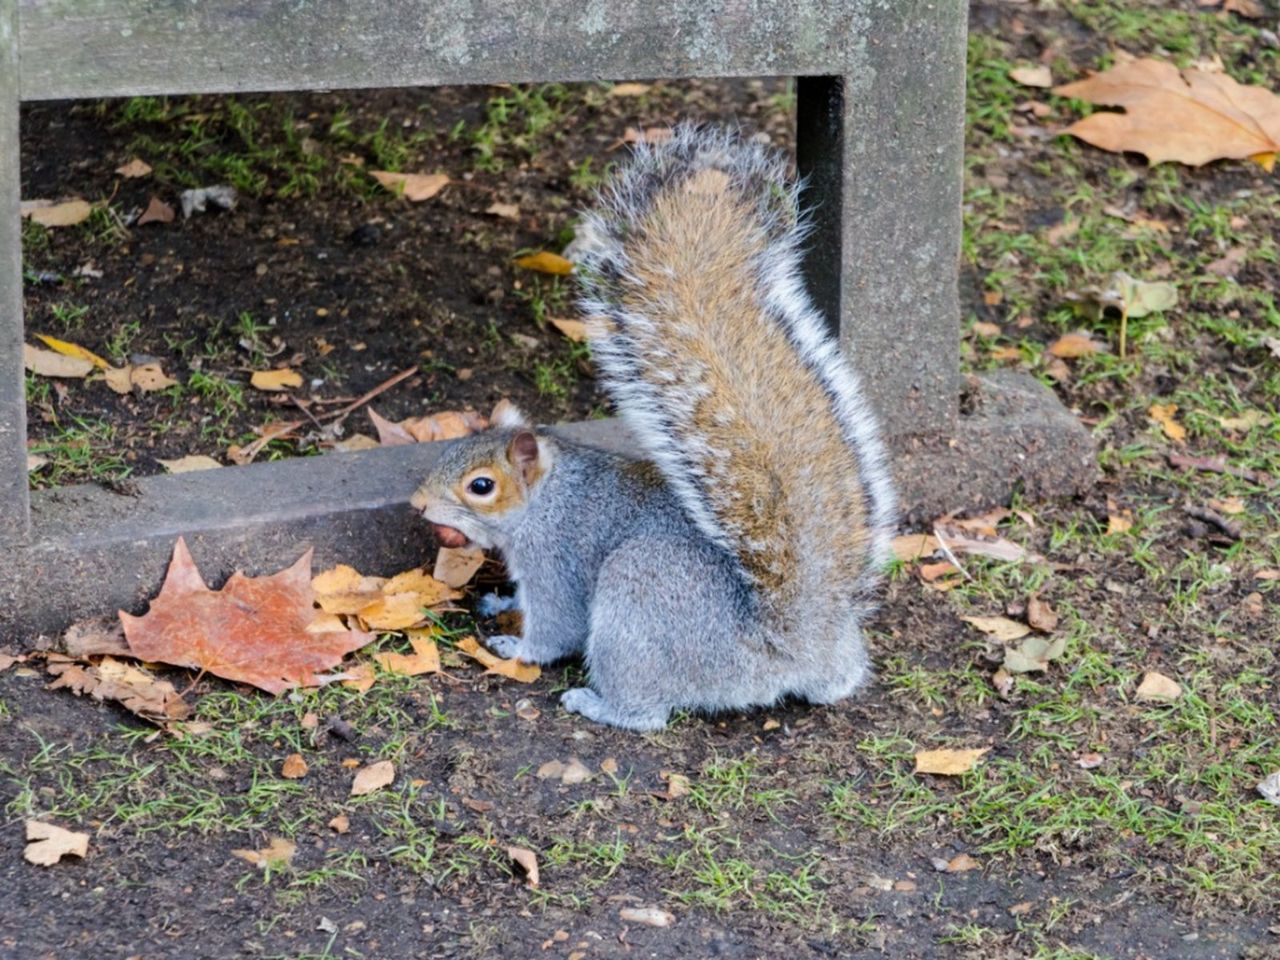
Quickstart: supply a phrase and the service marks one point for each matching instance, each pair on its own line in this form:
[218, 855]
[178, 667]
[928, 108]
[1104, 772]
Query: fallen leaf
[1267, 574]
[280, 379]
[133, 169]
[647, 916]
[507, 211]
[137, 690]
[448, 425]
[1138, 298]
[1033, 654]
[1089, 761]
[340, 824]
[276, 855]
[189, 463]
[1071, 346]
[575, 772]
[1163, 414]
[389, 434]
[357, 441]
[1189, 116]
[294, 767]
[72, 350]
[415, 187]
[65, 214]
[148, 377]
[7, 660]
[455, 566]
[157, 212]
[929, 572]
[527, 861]
[913, 546]
[962, 862]
[1231, 506]
[1229, 264]
[512, 669]
[373, 777]
[47, 363]
[984, 329]
[647, 135]
[958, 540]
[629, 89]
[1156, 686]
[1245, 422]
[948, 763]
[1041, 616]
[545, 262]
[48, 843]
[424, 659]
[1253, 9]
[678, 785]
[360, 677]
[1217, 464]
[575, 330]
[1036, 76]
[551, 770]
[253, 630]
[35, 462]
[1001, 628]
[266, 433]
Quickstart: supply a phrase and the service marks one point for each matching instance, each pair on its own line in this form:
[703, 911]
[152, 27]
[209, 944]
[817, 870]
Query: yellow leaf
[65, 214]
[280, 379]
[345, 579]
[1267, 161]
[545, 262]
[455, 566]
[424, 659]
[393, 612]
[360, 677]
[948, 763]
[294, 767]
[430, 590]
[72, 350]
[1163, 414]
[276, 855]
[412, 186]
[1072, 345]
[1189, 116]
[514, 669]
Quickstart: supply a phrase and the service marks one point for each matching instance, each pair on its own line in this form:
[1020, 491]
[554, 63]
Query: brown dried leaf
[1156, 686]
[47, 844]
[1033, 654]
[1041, 615]
[294, 767]
[415, 187]
[65, 214]
[189, 464]
[455, 566]
[424, 659]
[276, 855]
[507, 211]
[148, 377]
[135, 689]
[281, 378]
[340, 824]
[47, 363]
[1001, 628]
[513, 669]
[962, 862]
[360, 677]
[1069, 346]
[959, 540]
[1189, 116]
[133, 169]
[913, 546]
[575, 330]
[253, 630]
[1163, 414]
[527, 861]
[629, 89]
[1032, 76]
[948, 763]
[647, 916]
[373, 777]
[157, 212]
[389, 434]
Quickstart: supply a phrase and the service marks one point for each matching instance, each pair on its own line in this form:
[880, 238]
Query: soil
[806, 832]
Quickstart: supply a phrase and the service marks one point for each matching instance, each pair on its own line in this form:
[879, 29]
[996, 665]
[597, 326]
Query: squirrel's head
[479, 485]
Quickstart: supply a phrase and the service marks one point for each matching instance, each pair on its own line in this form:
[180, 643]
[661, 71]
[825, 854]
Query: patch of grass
[79, 450]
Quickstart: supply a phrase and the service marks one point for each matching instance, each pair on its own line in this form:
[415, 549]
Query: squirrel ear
[526, 455]
[507, 416]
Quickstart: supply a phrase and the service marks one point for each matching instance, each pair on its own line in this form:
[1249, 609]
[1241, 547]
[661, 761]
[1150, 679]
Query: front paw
[581, 700]
[506, 646]
[492, 604]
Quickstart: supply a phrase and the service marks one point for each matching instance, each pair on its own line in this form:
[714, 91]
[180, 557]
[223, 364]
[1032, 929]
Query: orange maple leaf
[253, 630]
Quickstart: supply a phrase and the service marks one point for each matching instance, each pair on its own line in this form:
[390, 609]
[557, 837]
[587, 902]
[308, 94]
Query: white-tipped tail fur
[720, 364]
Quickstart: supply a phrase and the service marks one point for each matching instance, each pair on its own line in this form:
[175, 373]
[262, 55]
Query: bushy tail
[719, 363]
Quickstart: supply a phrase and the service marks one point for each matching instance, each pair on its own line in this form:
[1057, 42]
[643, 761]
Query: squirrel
[734, 565]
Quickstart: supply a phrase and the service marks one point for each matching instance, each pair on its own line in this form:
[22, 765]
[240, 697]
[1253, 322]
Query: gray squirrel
[734, 565]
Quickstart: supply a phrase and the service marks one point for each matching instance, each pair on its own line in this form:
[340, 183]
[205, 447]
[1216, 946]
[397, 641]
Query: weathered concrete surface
[13, 415]
[74, 48]
[883, 148]
[96, 551]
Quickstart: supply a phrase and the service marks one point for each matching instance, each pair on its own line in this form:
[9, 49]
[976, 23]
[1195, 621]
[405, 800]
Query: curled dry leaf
[133, 169]
[276, 855]
[1156, 686]
[575, 330]
[373, 777]
[294, 767]
[360, 677]
[1164, 414]
[949, 763]
[157, 212]
[512, 669]
[253, 630]
[958, 540]
[35, 462]
[647, 916]
[545, 262]
[340, 824]
[48, 363]
[72, 350]
[48, 843]
[414, 187]
[281, 378]
[629, 89]
[137, 690]
[1189, 116]
[1041, 616]
[1032, 76]
[1070, 346]
[527, 861]
[507, 211]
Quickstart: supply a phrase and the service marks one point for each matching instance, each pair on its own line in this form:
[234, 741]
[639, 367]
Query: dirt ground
[1099, 824]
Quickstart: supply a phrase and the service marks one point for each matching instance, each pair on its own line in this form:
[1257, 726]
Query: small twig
[310, 416]
[362, 400]
[946, 551]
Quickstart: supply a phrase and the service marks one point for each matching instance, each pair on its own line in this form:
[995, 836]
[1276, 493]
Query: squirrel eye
[481, 486]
